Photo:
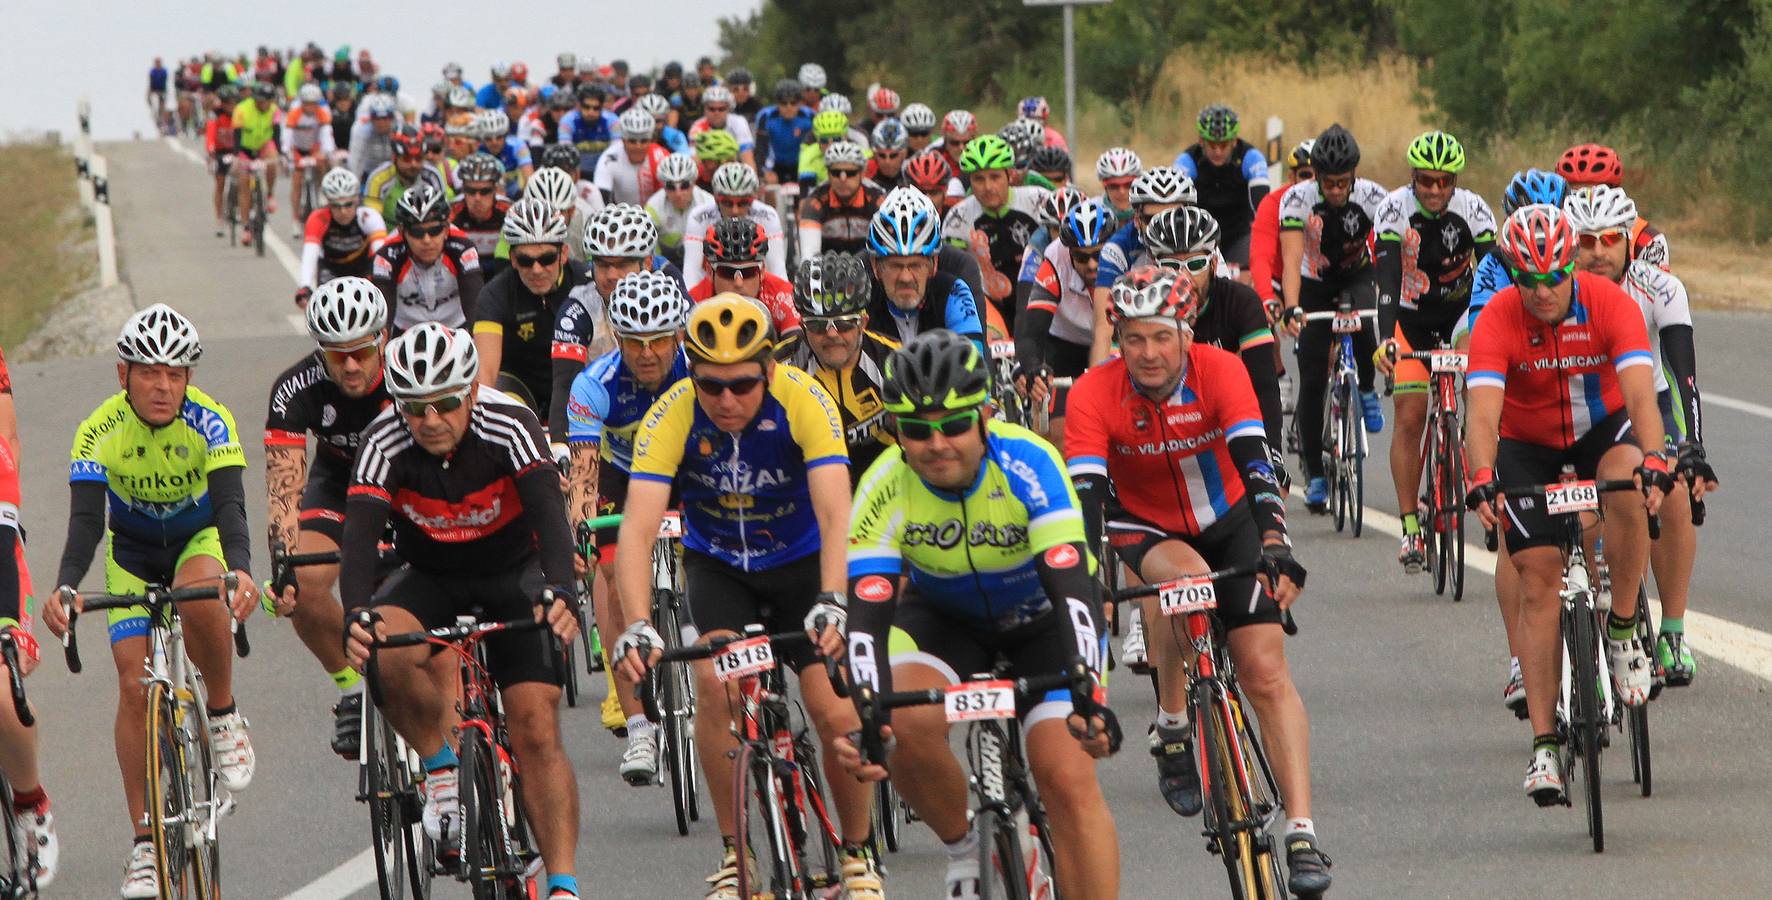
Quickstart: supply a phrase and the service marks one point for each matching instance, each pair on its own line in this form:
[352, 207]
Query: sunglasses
[1085, 257]
[1435, 182]
[1601, 239]
[362, 353]
[839, 324]
[888, 154]
[1194, 265]
[845, 173]
[479, 192]
[1303, 174]
[348, 204]
[590, 108]
[678, 185]
[529, 262]
[1116, 184]
[427, 231]
[918, 132]
[827, 141]
[1547, 279]
[716, 109]
[736, 273]
[950, 426]
[447, 404]
[739, 387]
[1337, 182]
[733, 202]
[640, 343]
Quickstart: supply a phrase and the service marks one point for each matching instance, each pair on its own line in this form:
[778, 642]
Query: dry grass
[45, 247]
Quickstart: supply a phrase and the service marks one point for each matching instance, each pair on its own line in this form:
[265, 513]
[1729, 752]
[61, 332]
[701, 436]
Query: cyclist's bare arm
[286, 472]
[1101, 341]
[1291, 281]
[581, 484]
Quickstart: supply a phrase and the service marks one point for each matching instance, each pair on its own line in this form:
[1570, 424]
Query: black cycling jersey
[305, 400]
[526, 323]
[856, 391]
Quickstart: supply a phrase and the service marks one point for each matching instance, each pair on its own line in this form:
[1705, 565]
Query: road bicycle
[1344, 437]
[185, 799]
[18, 878]
[308, 165]
[1242, 799]
[1442, 457]
[255, 187]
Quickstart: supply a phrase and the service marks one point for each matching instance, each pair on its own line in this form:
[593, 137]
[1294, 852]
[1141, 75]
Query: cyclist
[492, 94]
[307, 135]
[1264, 232]
[480, 213]
[1325, 230]
[341, 239]
[686, 102]
[1231, 176]
[835, 346]
[911, 293]
[627, 172]
[1003, 212]
[950, 259]
[256, 121]
[1170, 512]
[829, 127]
[1050, 216]
[671, 204]
[177, 514]
[1117, 168]
[835, 216]
[919, 127]
[1052, 164]
[391, 180]
[568, 76]
[1053, 333]
[493, 128]
[665, 134]
[371, 142]
[333, 392]
[744, 98]
[958, 128]
[1017, 585]
[732, 261]
[1590, 165]
[735, 192]
[462, 474]
[764, 526]
[1431, 235]
[1560, 375]
[1601, 218]
[1525, 187]
[928, 172]
[886, 168]
[513, 324]
[589, 126]
[218, 142]
[811, 78]
[716, 104]
[540, 126]
[784, 126]
[428, 267]
[1155, 190]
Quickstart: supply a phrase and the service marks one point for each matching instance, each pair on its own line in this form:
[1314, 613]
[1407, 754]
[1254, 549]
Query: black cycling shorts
[497, 597]
[923, 635]
[322, 506]
[612, 497]
[1236, 251]
[1518, 463]
[1231, 541]
[725, 598]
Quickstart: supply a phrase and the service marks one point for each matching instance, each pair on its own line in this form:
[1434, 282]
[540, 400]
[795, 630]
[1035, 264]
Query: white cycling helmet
[656, 104]
[452, 70]
[620, 230]
[836, 103]
[159, 336]
[906, 224]
[345, 310]
[918, 117]
[718, 93]
[532, 221]
[382, 106]
[567, 60]
[812, 76]
[844, 153]
[1599, 208]
[495, 124]
[341, 184]
[430, 359]
[637, 124]
[647, 303]
[1118, 162]
[1164, 184]
[1052, 210]
[678, 168]
[459, 98]
[501, 70]
[553, 187]
[311, 94]
[733, 179]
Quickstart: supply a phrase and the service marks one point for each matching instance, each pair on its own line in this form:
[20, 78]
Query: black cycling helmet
[589, 90]
[832, 284]
[1050, 159]
[1335, 152]
[936, 370]
[787, 90]
[561, 156]
[264, 90]
[480, 167]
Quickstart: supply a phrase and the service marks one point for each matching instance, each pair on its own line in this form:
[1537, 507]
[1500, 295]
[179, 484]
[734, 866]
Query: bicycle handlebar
[16, 680]
[785, 639]
[1492, 540]
[152, 597]
[869, 705]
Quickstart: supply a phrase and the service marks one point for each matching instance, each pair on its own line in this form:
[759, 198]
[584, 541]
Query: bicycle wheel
[815, 837]
[1264, 801]
[588, 637]
[1355, 447]
[1637, 717]
[1452, 482]
[170, 812]
[762, 840]
[1584, 650]
[1228, 829]
[19, 878]
[676, 701]
[569, 672]
[389, 828]
[1432, 473]
[888, 816]
[1001, 867]
[484, 861]
[258, 215]
[1332, 450]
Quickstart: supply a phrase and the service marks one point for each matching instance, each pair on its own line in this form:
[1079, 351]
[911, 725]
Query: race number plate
[975, 700]
[1448, 361]
[744, 658]
[1345, 323]
[671, 526]
[1571, 497]
[1186, 595]
[1002, 349]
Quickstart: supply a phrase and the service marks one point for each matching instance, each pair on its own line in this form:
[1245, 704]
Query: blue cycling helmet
[1534, 186]
[1088, 224]
[905, 225]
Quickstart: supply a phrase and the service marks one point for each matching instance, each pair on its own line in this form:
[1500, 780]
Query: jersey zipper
[743, 541]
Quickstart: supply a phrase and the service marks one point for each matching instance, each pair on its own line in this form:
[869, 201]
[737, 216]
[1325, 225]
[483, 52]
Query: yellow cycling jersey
[255, 126]
[157, 478]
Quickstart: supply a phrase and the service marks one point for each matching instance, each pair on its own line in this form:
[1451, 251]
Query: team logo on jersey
[874, 589]
[1350, 222]
[328, 415]
[526, 331]
[766, 425]
[1449, 236]
[1063, 556]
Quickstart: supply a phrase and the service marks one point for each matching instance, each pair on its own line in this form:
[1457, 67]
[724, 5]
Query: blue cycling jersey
[1122, 250]
[590, 136]
[782, 134]
[607, 403]
[488, 97]
[673, 139]
[1035, 252]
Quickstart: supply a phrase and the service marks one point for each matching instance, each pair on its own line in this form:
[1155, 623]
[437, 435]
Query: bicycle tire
[888, 815]
[1264, 800]
[390, 835]
[1584, 651]
[810, 818]
[1332, 453]
[1455, 511]
[1432, 509]
[761, 829]
[20, 876]
[231, 204]
[483, 846]
[569, 672]
[258, 215]
[1637, 717]
[588, 637]
[1001, 867]
[168, 797]
[1356, 440]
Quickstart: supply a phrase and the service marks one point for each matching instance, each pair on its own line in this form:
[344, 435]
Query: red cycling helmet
[1591, 164]
[737, 240]
[1149, 292]
[431, 135]
[928, 171]
[519, 73]
[407, 142]
[1537, 240]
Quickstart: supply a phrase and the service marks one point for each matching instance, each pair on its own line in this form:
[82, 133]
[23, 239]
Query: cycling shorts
[1519, 463]
[723, 597]
[220, 162]
[1412, 335]
[612, 497]
[1236, 252]
[322, 506]
[526, 656]
[130, 566]
[1231, 541]
[922, 635]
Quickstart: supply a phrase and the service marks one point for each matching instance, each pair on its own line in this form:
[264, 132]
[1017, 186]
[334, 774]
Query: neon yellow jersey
[255, 126]
[157, 478]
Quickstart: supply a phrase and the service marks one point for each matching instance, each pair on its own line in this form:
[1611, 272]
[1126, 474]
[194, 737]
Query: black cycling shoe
[1178, 778]
[1307, 867]
[347, 725]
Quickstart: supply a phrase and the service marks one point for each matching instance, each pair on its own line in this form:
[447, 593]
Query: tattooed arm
[581, 485]
[286, 471]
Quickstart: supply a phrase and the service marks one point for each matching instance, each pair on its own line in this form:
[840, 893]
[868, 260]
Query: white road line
[1752, 409]
[1747, 649]
[277, 246]
[351, 876]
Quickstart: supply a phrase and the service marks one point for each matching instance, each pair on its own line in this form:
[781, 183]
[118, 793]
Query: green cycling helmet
[986, 153]
[830, 124]
[1218, 123]
[716, 145]
[936, 370]
[1437, 151]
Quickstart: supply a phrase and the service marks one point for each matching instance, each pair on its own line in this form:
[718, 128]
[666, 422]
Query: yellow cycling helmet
[728, 328]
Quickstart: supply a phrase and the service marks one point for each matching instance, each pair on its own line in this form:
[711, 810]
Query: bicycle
[1442, 456]
[1015, 839]
[185, 799]
[308, 166]
[255, 216]
[672, 684]
[1586, 704]
[1040, 414]
[18, 880]
[778, 792]
[1010, 406]
[497, 856]
[1242, 797]
[1344, 438]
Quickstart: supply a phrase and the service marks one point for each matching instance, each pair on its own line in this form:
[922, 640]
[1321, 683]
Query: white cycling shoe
[1544, 777]
[442, 803]
[1631, 675]
[1132, 650]
[140, 880]
[232, 747]
[639, 765]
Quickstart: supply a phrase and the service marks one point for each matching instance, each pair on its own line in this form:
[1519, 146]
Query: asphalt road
[1416, 766]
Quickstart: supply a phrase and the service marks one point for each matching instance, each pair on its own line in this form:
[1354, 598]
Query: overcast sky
[103, 48]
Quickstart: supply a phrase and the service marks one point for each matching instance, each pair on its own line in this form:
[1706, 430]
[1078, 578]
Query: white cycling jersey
[703, 217]
[1662, 297]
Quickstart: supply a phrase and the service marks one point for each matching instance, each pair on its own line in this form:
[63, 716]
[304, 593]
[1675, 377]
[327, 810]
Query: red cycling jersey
[1559, 380]
[1112, 430]
[776, 295]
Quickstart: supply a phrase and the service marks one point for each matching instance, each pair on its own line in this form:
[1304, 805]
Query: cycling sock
[1169, 721]
[1619, 629]
[963, 848]
[854, 849]
[568, 883]
[1297, 825]
[349, 680]
[442, 759]
[1673, 626]
[1411, 525]
[637, 724]
[218, 712]
[1544, 742]
[24, 801]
